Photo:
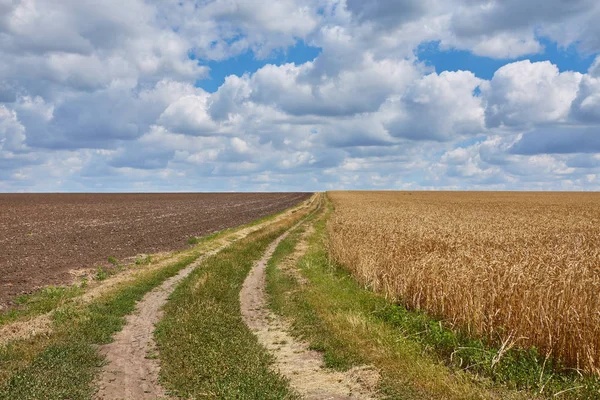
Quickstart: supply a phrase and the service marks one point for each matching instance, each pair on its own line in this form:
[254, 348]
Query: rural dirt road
[293, 359]
[131, 373]
[132, 368]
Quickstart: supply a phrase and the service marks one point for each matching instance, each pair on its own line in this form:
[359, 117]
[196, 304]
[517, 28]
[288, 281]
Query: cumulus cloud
[189, 115]
[507, 29]
[483, 16]
[438, 107]
[221, 29]
[506, 46]
[558, 140]
[387, 12]
[586, 106]
[525, 93]
[294, 89]
[476, 166]
[105, 96]
[83, 45]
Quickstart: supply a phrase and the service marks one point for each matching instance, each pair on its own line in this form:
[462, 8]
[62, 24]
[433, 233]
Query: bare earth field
[44, 237]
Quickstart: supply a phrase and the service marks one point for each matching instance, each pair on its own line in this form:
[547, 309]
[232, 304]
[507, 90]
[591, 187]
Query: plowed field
[45, 236]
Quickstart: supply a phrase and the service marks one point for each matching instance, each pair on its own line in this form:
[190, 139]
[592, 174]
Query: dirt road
[303, 367]
[132, 367]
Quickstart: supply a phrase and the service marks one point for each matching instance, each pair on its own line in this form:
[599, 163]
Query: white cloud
[103, 95]
[387, 12]
[12, 133]
[189, 115]
[83, 45]
[221, 29]
[438, 107]
[525, 93]
[240, 145]
[586, 106]
[507, 28]
[507, 46]
[308, 90]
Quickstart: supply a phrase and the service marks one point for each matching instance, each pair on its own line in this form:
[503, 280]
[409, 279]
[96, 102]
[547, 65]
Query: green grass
[198, 240]
[40, 302]
[63, 365]
[193, 240]
[101, 274]
[143, 260]
[205, 348]
[418, 356]
[113, 261]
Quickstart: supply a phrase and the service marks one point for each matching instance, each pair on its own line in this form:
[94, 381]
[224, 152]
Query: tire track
[303, 367]
[132, 367]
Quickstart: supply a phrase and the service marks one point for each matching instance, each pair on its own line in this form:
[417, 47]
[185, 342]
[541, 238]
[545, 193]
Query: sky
[299, 95]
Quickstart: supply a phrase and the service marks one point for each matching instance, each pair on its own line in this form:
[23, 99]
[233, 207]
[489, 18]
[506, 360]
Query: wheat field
[522, 268]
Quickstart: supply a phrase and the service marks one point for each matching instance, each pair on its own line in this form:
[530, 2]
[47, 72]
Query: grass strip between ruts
[206, 350]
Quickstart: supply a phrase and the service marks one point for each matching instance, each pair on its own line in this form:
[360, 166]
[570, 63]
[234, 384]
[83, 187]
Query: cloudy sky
[299, 95]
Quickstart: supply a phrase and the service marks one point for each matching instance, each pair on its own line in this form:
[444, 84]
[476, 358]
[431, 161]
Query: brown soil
[45, 236]
[293, 359]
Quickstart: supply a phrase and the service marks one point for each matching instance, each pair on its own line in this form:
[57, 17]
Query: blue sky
[565, 58]
[299, 95]
[248, 62]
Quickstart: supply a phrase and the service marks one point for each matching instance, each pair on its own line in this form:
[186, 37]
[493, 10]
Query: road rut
[303, 367]
[132, 367]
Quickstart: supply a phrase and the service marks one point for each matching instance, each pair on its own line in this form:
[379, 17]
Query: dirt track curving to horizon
[45, 236]
[294, 359]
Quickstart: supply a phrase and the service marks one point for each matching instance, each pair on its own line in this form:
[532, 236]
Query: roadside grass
[418, 356]
[193, 240]
[143, 260]
[40, 302]
[50, 298]
[198, 240]
[203, 239]
[206, 350]
[113, 261]
[64, 364]
[101, 274]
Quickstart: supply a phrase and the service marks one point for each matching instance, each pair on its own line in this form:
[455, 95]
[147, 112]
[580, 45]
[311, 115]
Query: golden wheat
[522, 267]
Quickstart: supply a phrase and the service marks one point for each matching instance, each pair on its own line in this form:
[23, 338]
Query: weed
[113, 261]
[40, 302]
[116, 263]
[143, 260]
[101, 274]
